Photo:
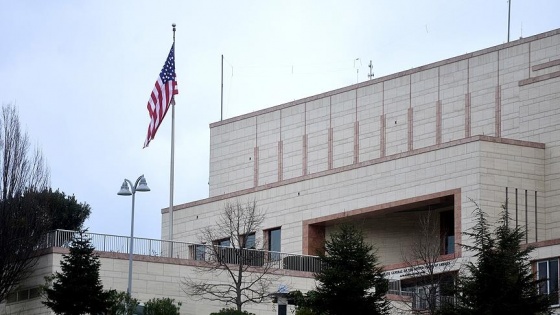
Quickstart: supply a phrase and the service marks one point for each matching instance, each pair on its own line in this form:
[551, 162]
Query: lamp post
[140, 185]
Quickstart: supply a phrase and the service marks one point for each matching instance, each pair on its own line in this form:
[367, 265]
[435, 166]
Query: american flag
[162, 95]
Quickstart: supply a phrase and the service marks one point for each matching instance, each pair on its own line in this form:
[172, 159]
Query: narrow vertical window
[273, 241]
[199, 252]
[447, 232]
[547, 272]
[274, 237]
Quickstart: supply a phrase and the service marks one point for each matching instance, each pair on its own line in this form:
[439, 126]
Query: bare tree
[428, 270]
[23, 220]
[234, 250]
[20, 169]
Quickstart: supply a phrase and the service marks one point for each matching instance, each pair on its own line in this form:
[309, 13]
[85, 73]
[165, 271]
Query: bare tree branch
[425, 263]
[23, 220]
[246, 265]
[19, 170]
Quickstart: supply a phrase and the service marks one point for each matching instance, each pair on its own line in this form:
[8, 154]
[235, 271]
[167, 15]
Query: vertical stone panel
[256, 167]
[410, 129]
[292, 131]
[280, 160]
[424, 94]
[330, 162]
[317, 129]
[369, 109]
[467, 115]
[453, 86]
[498, 113]
[304, 155]
[382, 132]
[438, 122]
[343, 117]
[356, 142]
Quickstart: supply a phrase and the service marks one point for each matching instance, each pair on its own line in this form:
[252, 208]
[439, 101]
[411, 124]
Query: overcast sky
[81, 72]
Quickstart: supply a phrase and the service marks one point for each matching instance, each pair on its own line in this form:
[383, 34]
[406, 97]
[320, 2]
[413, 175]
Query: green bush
[304, 311]
[120, 303]
[165, 306]
[231, 311]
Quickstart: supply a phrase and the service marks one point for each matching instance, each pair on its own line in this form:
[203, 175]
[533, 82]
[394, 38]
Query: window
[199, 252]
[547, 272]
[23, 295]
[249, 241]
[430, 291]
[223, 242]
[447, 232]
[274, 237]
[273, 241]
[224, 253]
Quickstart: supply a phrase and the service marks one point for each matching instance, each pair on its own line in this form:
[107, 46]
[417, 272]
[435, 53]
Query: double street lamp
[128, 189]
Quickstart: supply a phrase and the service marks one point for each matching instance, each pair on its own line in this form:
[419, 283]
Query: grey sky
[81, 72]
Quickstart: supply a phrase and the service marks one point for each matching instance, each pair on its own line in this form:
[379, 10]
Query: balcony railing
[186, 250]
[421, 300]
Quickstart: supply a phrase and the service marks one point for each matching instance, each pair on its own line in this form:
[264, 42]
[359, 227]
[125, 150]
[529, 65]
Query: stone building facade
[381, 154]
[482, 127]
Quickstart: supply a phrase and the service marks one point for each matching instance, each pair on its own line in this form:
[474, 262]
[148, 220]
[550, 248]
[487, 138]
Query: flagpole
[172, 167]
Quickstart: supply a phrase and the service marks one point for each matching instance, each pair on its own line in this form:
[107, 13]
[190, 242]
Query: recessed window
[274, 237]
[250, 241]
[199, 252]
[447, 232]
[273, 241]
[23, 295]
[547, 272]
[223, 242]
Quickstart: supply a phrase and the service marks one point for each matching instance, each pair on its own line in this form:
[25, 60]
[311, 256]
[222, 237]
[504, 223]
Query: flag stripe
[162, 94]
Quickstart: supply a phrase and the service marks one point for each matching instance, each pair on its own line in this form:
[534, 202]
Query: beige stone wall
[153, 277]
[37, 278]
[484, 125]
[508, 91]
[478, 167]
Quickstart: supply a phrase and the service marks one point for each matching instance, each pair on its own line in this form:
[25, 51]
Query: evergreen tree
[500, 281]
[77, 289]
[351, 280]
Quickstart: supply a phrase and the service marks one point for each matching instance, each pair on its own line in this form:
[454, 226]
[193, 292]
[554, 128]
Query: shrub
[120, 303]
[164, 306]
[231, 311]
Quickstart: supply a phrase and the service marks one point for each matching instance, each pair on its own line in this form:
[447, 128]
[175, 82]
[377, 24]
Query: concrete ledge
[546, 65]
[540, 78]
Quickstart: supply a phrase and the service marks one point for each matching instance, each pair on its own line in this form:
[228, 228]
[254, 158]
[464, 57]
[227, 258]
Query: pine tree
[351, 280]
[77, 289]
[500, 281]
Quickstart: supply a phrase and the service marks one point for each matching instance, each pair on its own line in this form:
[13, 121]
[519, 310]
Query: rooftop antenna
[370, 75]
[509, 17]
[357, 69]
[222, 92]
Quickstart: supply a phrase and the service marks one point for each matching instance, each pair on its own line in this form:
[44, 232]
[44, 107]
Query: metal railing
[186, 250]
[420, 300]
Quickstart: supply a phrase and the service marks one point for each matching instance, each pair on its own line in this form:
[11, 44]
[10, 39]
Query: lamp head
[142, 185]
[125, 190]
